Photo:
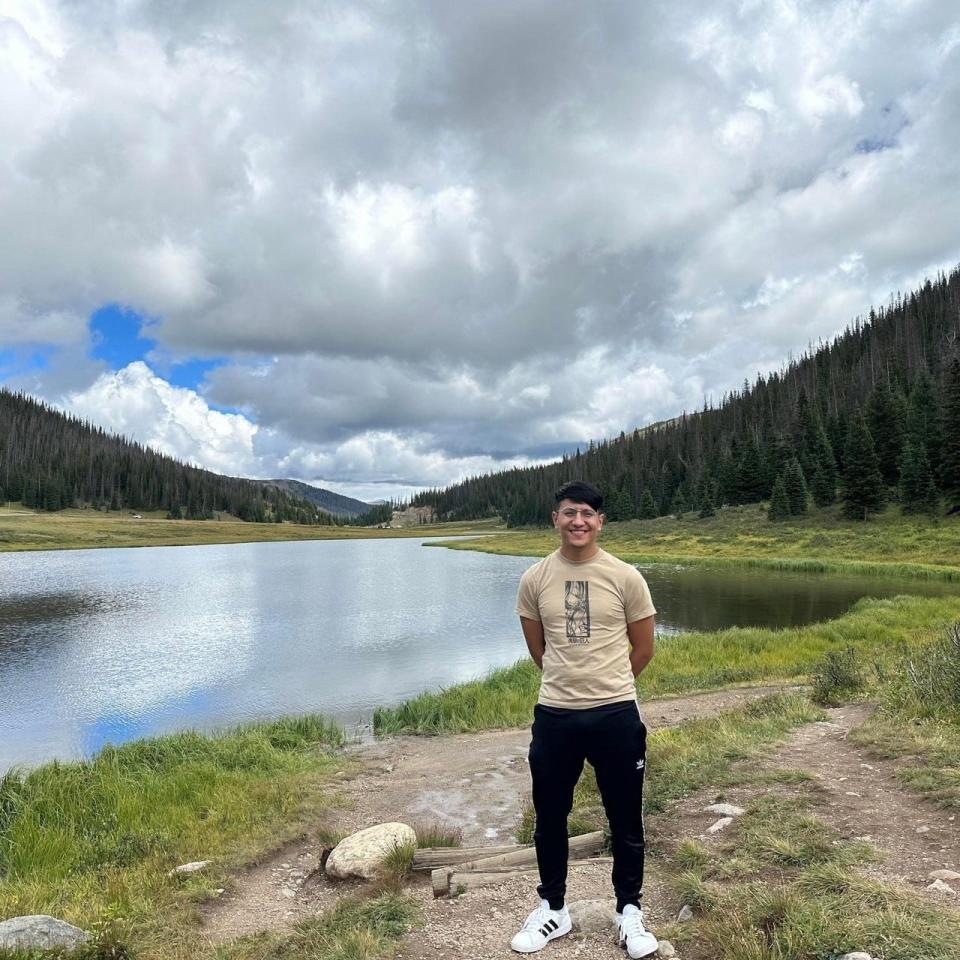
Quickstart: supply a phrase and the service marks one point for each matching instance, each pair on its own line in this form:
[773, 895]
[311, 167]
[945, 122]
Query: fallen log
[429, 858]
[515, 861]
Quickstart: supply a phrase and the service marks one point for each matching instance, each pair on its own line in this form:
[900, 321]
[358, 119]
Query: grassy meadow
[889, 544]
[89, 529]
[94, 842]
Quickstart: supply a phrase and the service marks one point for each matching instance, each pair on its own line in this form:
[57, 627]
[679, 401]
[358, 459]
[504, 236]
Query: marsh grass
[786, 886]
[822, 542]
[878, 630]
[85, 529]
[93, 842]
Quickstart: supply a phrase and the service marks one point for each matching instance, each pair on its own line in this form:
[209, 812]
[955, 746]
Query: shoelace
[632, 925]
[537, 919]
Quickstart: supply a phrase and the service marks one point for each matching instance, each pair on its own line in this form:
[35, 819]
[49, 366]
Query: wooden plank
[449, 879]
[580, 847]
[429, 858]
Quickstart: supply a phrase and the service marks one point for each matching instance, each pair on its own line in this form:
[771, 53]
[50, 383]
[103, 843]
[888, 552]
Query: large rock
[40, 932]
[363, 854]
[187, 868]
[592, 916]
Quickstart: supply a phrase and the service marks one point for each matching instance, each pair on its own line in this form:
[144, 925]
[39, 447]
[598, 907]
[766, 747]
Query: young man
[588, 621]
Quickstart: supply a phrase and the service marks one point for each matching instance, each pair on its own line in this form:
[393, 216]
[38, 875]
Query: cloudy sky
[384, 245]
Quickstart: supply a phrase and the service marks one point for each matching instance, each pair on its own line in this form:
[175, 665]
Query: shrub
[932, 675]
[837, 677]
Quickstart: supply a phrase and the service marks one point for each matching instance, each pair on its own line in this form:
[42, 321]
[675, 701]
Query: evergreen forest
[52, 461]
[871, 418]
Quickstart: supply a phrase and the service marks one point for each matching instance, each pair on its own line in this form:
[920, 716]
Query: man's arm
[533, 634]
[640, 634]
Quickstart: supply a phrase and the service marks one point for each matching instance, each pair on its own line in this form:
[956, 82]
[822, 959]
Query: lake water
[102, 646]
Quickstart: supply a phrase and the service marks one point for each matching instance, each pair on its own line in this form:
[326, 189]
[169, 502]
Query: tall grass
[94, 841]
[876, 629]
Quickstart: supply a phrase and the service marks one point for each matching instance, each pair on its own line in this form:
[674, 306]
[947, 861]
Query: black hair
[579, 491]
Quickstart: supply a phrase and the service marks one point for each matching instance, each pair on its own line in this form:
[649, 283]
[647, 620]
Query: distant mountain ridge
[326, 500]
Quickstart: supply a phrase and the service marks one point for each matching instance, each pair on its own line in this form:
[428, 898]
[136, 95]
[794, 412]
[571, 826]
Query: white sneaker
[634, 937]
[542, 926]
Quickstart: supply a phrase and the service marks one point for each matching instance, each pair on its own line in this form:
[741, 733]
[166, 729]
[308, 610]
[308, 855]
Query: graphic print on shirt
[577, 607]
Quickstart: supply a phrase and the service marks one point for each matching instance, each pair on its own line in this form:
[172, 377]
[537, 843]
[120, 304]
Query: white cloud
[176, 421]
[468, 229]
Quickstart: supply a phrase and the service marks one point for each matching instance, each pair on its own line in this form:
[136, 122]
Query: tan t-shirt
[585, 606]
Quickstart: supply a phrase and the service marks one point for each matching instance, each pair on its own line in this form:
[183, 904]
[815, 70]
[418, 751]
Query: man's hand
[640, 633]
[533, 634]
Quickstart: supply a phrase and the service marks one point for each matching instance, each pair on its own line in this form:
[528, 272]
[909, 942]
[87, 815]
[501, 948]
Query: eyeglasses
[569, 513]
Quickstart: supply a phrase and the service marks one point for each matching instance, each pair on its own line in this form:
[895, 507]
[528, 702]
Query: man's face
[578, 523]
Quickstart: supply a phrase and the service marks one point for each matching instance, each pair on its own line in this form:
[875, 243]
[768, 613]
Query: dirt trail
[472, 782]
[477, 782]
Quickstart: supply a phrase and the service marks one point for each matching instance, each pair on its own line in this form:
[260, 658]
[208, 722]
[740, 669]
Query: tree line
[51, 461]
[871, 417]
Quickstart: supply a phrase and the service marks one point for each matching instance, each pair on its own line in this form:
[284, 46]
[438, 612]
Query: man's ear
[554, 516]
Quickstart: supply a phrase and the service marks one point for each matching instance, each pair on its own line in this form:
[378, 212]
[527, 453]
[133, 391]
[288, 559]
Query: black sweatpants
[613, 739]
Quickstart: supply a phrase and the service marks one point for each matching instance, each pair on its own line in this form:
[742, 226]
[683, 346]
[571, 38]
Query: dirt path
[477, 783]
[473, 782]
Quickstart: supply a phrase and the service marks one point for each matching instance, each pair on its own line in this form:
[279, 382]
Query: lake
[102, 646]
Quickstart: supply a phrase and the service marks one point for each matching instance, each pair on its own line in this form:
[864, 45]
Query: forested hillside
[51, 461]
[871, 417]
[326, 500]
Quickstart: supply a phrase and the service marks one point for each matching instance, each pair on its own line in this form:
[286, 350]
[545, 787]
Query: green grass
[822, 542]
[783, 885]
[877, 630]
[92, 842]
[86, 529]
[356, 928]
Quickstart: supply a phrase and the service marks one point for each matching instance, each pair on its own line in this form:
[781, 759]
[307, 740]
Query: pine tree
[923, 419]
[796, 488]
[918, 492]
[950, 426]
[824, 472]
[862, 482]
[678, 505]
[886, 420]
[779, 504]
[708, 507]
[751, 486]
[648, 506]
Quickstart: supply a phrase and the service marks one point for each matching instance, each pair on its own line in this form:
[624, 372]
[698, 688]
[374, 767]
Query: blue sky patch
[118, 338]
[17, 363]
[115, 334]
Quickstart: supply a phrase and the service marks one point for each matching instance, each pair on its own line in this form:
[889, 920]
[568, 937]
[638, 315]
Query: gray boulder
[40, 932]
[592, 916]
[364, 853]
[725, 809]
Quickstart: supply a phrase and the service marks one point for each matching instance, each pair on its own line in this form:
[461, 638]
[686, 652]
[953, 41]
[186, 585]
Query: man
[588, 622]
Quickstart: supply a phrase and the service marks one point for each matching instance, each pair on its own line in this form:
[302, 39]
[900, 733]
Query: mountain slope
[326, 500]
[49, 460]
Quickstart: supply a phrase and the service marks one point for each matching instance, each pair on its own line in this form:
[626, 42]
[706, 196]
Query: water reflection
[103, 646]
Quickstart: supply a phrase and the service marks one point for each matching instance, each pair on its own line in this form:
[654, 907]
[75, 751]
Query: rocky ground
[477, 783]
